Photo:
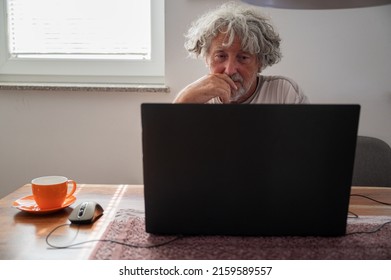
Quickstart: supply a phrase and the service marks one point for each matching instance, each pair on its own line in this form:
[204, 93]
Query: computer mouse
[86, 213]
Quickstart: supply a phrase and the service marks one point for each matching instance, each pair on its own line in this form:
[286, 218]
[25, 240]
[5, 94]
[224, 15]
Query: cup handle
[73, 188]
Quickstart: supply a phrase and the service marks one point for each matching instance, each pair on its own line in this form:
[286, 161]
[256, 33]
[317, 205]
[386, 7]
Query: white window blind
[82, 41]
[80, 28]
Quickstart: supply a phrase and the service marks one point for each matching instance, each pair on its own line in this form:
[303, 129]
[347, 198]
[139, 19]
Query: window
[82, 41]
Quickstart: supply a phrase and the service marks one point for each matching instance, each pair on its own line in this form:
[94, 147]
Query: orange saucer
[28, 204]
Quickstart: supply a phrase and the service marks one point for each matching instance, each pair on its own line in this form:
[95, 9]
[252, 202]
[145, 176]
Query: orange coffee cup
[50, 192]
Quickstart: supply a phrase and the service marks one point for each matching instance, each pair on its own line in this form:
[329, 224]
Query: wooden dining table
[23, 233]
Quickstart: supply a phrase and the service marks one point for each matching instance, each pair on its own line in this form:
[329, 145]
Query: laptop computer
[248, 169]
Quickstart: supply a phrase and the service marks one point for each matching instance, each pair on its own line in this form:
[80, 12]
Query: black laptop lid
[248, 169]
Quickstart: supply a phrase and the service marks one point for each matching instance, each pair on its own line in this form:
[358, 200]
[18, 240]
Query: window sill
[153, 88]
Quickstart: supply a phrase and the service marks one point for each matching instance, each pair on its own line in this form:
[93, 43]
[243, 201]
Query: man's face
[242, 67]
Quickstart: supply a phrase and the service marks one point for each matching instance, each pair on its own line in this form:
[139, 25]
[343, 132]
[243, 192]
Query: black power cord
[356, 216]
[179, 237]
[104, 240]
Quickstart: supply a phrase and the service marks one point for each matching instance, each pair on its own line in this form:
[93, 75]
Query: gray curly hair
[256, 33]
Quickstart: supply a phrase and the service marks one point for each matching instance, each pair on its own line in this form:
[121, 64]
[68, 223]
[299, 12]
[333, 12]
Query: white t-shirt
[274, 90]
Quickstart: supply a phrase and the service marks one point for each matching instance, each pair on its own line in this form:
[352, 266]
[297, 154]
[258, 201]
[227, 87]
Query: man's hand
[207, 88]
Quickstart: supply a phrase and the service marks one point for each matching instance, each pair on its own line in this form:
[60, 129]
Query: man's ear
[260, 66]
[206, 62]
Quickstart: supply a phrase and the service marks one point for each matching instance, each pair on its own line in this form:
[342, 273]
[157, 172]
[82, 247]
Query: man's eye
[220, 57]
[244, 58]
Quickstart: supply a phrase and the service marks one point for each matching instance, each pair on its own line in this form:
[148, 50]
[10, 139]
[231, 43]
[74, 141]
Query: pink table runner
[128, 227]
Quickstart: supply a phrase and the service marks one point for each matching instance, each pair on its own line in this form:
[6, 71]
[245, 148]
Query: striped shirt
[274, 90]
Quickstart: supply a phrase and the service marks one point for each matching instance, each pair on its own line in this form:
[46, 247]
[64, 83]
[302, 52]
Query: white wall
[336, 56]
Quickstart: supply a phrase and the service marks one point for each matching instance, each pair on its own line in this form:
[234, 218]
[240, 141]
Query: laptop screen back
[248, 169]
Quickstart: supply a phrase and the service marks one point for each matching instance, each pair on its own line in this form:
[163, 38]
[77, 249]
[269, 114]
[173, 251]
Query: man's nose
[231, 66]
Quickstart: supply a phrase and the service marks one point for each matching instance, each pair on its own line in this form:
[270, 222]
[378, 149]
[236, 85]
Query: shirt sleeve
[292, 92]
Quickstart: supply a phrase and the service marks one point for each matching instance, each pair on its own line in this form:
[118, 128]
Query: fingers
[228, 80]
[207, 88]
[224, 88]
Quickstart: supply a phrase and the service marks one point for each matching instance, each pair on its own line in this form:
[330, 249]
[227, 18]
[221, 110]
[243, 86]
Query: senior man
[237, 43]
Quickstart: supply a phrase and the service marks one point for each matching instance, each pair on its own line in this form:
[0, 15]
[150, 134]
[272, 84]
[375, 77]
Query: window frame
[91, 71]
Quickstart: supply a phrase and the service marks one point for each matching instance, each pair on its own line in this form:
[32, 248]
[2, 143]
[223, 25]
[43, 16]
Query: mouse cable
[104, 240]
[356, 216]
[375, 200]
[371, 231]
